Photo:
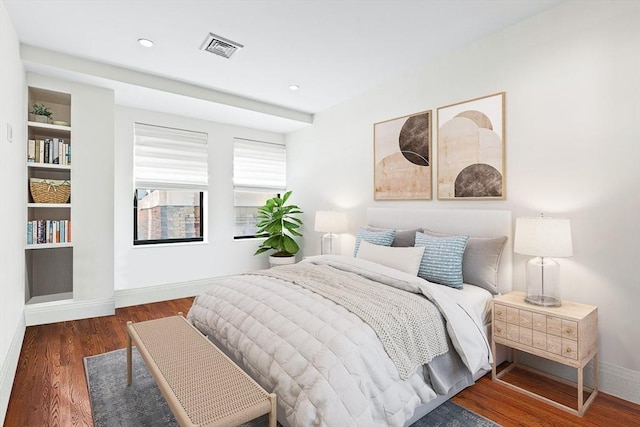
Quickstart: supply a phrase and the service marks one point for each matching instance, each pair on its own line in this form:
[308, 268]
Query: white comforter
[326, 365]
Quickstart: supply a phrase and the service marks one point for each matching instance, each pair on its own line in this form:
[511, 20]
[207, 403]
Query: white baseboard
[620, 382]
[612, 379]
[63, 310]
[9, 366]
[129, 297]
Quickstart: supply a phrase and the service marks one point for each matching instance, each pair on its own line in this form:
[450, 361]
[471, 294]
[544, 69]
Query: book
[29, 233]
[40, 152]
[47, 145]
[31, 151]
[55, 151]
[41, 232]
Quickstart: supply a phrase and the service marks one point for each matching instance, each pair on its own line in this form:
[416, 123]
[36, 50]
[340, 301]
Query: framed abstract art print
[471, 147]
[402, 158]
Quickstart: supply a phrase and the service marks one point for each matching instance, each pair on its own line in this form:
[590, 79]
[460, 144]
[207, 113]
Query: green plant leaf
[280, 223]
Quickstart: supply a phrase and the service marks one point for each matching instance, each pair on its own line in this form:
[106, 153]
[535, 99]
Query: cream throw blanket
[409, 326]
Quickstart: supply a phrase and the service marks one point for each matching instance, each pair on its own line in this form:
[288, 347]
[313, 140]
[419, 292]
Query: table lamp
[330, 222]
[543, 238]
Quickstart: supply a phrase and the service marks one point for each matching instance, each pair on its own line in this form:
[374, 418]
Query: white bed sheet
[480, 299]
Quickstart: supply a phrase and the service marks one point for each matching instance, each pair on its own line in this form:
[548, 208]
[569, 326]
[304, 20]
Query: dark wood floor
[50, 388]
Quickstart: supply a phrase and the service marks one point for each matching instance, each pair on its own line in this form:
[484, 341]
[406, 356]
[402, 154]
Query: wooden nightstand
[567, 334]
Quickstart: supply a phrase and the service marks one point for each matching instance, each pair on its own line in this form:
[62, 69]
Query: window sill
[169, 245]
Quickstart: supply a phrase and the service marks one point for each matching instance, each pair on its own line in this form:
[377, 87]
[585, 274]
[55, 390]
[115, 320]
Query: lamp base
[543, 282]
[542, 300]
[330, 244]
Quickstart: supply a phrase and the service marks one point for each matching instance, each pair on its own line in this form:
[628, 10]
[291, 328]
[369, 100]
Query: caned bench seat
[202, 386]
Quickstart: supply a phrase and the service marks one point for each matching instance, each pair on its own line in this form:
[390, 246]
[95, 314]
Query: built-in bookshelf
[49, 248]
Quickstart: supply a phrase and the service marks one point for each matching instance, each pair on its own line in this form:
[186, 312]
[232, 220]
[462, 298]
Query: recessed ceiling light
[294, 87]
[145, 42]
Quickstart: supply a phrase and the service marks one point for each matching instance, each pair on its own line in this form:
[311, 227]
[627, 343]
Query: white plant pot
[281, 260]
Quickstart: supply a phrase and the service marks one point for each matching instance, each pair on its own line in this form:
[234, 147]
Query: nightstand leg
[493, 365]
[595, 372]
[580, 389]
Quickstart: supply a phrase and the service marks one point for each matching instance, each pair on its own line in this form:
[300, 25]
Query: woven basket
[50, 190]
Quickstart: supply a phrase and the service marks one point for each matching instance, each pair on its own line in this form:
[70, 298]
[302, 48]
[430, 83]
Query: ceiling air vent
[220, 45]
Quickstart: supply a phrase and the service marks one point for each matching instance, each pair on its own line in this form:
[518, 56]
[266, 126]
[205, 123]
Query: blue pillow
[382, 238]
[442, 259]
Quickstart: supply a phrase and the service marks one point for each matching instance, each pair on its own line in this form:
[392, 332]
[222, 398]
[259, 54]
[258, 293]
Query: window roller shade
[259, 166]
[167, 158]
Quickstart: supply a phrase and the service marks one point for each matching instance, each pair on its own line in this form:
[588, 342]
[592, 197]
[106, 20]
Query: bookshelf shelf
[49, 246]
[48, 126]
[48, 166]
[49, 205]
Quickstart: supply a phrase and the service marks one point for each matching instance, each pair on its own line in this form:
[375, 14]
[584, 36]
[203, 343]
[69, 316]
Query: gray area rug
[141, 405]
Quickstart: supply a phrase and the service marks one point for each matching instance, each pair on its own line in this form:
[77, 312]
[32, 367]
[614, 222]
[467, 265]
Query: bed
[319, 335]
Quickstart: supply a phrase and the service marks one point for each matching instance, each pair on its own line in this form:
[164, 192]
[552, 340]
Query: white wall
[141, 271]
[572, 149]
[12, 205]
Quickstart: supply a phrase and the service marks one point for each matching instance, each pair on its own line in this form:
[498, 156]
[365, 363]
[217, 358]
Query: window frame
[137, 242]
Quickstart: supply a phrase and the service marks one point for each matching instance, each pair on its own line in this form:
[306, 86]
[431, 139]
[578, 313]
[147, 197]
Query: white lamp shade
[331, 221]
[543, 237]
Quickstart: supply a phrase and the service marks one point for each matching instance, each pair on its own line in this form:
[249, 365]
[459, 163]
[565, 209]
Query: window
[259, 173]
[171, 178]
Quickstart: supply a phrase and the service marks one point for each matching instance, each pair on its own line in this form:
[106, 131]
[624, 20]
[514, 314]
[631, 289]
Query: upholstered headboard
[471, 222]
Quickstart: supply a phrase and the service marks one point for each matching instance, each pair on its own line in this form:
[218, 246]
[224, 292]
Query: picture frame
[471, 149]
[403, 157]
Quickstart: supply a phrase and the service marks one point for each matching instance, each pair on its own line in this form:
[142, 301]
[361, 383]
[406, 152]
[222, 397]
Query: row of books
[48, 231]
[51, 150]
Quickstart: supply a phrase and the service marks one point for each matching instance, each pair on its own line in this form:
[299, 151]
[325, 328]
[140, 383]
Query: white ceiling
[332, 49]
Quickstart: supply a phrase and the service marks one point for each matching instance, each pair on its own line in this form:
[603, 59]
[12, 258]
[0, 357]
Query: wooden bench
[202, 386]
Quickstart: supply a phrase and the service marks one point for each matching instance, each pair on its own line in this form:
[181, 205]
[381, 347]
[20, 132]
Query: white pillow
[403, 259]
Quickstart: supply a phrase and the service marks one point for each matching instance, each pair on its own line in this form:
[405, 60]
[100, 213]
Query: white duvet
[327, 367]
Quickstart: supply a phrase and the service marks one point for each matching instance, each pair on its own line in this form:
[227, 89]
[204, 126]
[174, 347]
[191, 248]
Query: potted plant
[279, 223]
[41, 113]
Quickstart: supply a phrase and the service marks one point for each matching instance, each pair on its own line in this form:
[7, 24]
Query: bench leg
[129, 367]
[273, 419]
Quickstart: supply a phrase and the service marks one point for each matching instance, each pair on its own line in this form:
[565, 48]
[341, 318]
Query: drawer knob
[569, 330]
[568, 350]
[498, 313]
[498, 329]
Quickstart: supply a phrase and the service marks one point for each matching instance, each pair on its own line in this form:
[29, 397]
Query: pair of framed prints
[470, 153]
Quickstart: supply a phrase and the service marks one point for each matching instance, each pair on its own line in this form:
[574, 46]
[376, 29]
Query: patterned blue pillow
[442, 259]
[382, 238]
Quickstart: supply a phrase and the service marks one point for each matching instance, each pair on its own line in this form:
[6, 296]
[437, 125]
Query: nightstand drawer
[526, 336]
[570, 329]
[500, 312]
[539, 340]
[513, 332]
[525, 319]
[513, 315]
[570, 349]
[500, 329]
[539, 322]
[554, 344]
[554, 326]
